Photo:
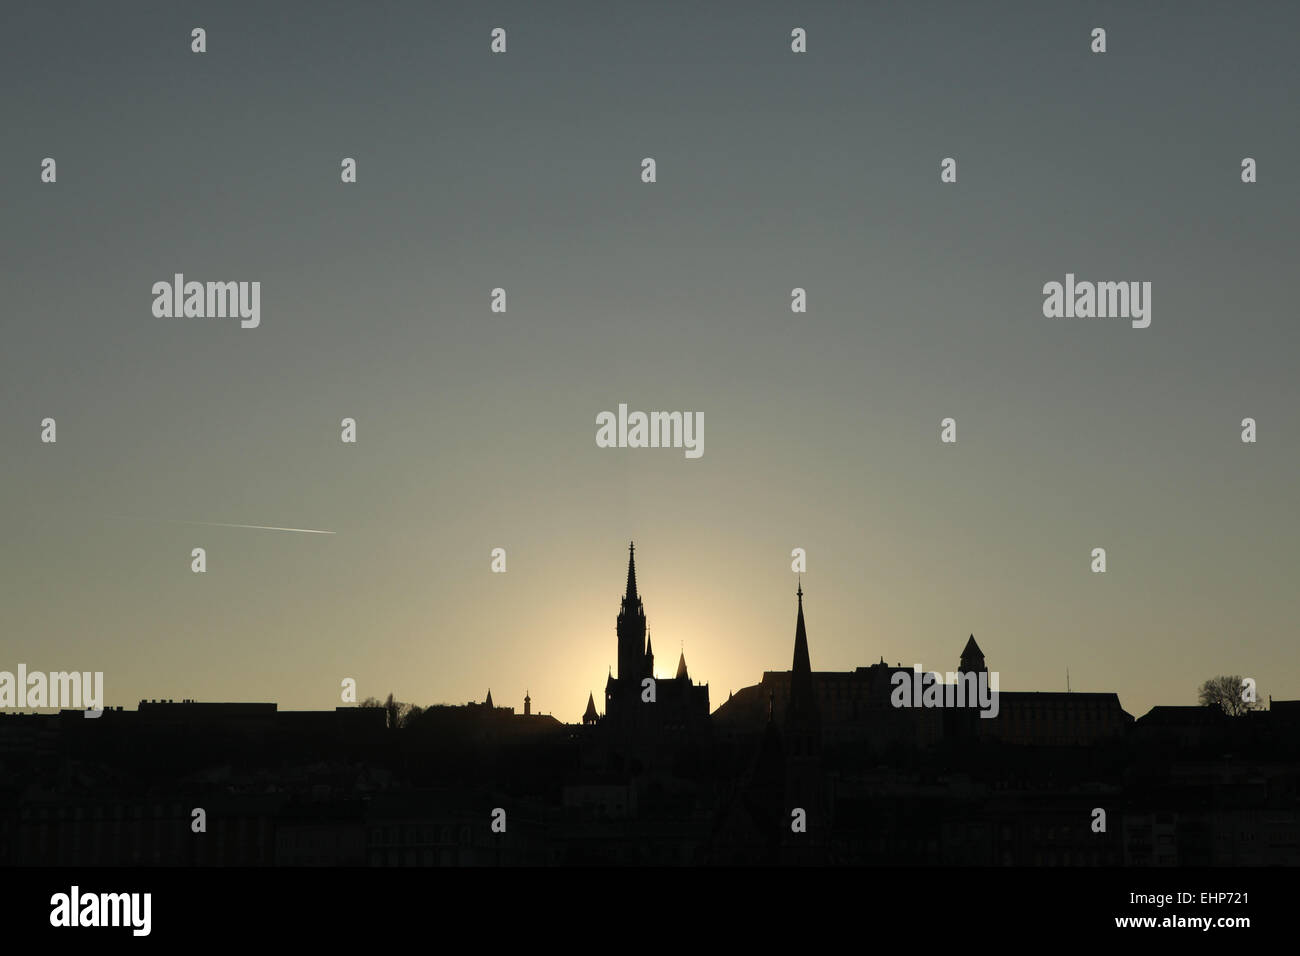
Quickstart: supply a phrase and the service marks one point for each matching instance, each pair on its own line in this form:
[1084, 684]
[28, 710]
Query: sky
[476, 430]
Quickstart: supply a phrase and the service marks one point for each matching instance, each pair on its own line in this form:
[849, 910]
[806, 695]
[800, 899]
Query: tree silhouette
[1225, 692]
[398, 713]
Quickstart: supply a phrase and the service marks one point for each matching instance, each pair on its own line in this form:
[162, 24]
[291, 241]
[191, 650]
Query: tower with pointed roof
[679, 705]
[632, 649]
[804, 784]
[972, 658]
[802, 715]
[962, 723]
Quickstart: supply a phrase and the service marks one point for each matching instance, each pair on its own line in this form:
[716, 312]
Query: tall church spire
[801, 660]
[802, 720]
[633, 652]
[802, 742]
[631, 573]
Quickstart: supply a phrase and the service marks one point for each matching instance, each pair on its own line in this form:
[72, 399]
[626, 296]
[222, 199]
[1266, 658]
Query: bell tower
[631, 628]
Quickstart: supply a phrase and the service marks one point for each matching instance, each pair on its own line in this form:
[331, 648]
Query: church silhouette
[802, 767]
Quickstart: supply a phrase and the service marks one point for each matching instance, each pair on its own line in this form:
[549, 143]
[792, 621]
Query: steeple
[801, 661]
[801, 746]
[633, 651]
[528, 704]
[590, 716]
[802, 719]
[972, 658]
[631, 573]
[488, 702]
[681, 667]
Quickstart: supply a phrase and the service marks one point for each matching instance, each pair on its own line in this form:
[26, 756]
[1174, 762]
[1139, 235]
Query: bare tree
[1227, 693]
[396, 712]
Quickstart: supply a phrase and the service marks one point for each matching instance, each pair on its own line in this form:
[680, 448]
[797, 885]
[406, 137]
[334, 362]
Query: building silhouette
[803, 767]
[636, 702]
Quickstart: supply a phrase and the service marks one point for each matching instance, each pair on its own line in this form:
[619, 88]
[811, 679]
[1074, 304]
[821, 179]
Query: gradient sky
[477, 430]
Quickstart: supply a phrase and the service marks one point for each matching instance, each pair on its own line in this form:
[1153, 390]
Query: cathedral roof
[681, 667]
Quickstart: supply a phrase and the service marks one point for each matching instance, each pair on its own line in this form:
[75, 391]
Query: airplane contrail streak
[257, 527]
[222, 524]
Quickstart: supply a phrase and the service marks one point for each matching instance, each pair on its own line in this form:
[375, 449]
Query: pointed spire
[590, 714]
[649, 651]
[631, 571]
[489, 697]
[681, 667]
[634, 654]
[802, 664]
[801, 715]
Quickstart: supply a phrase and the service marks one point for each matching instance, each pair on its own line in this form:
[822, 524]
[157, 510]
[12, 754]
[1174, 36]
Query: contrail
[257, 527]
[222, 524]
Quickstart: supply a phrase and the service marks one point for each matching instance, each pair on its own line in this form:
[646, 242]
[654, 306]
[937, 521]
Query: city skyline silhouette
[477, 430]
[644, 638]
[805, 767]
[358, 509]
